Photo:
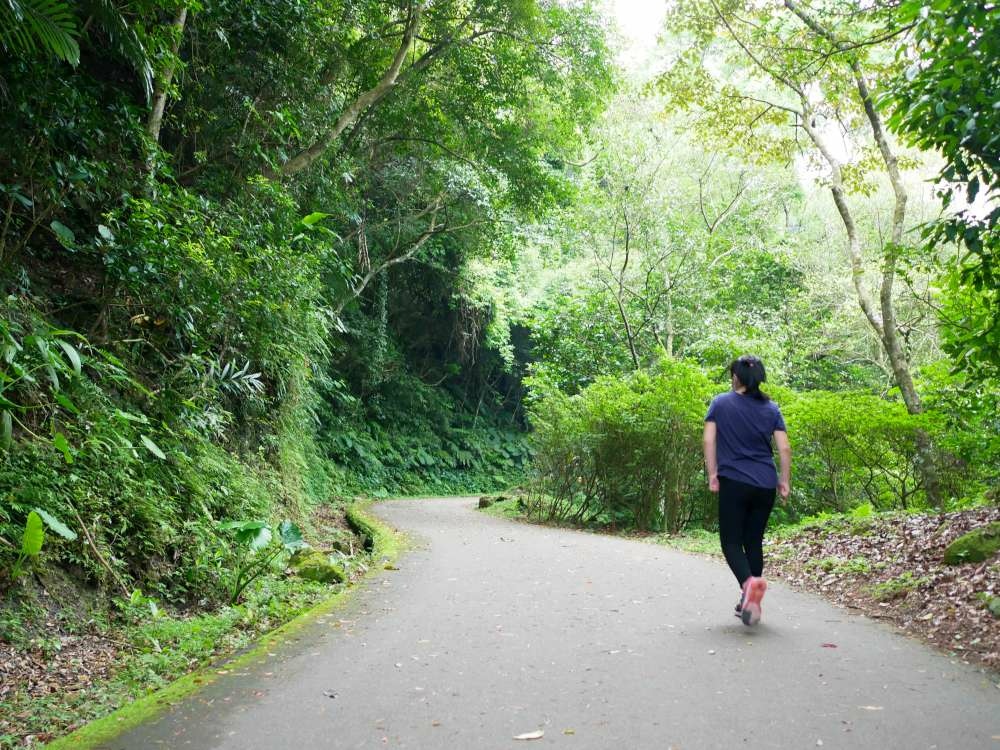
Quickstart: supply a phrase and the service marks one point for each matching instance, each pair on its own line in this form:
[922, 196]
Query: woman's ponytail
[749, 370]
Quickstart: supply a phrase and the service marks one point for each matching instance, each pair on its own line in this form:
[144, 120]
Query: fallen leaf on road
[829, 645]
[569, 731]
[531, 735]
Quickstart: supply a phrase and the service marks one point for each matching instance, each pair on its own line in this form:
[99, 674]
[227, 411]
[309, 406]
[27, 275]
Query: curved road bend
[492, 629]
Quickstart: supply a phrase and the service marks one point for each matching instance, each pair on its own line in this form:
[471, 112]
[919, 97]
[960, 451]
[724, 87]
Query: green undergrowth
[858, 522]
[160, 649]
[415, 439]
[171, 655]
[699, 541]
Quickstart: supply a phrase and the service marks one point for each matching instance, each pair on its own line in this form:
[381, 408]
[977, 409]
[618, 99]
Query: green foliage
[47, 24]
[946, 101]
[624, 450]
[992, 603]
[858, 565]
[260, 545]
[850, 446]
[33, 537]
[31, 543]
[419, 440]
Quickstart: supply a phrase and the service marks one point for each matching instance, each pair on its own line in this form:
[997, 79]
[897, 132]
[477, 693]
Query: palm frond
[27, 26]
[124, 38]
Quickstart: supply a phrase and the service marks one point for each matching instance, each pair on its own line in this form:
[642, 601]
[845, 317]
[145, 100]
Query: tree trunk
[853, 241]
[888, 330]
[155, 120]
[890, 335]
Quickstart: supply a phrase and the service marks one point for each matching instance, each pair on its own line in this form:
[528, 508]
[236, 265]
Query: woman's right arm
[785, 460]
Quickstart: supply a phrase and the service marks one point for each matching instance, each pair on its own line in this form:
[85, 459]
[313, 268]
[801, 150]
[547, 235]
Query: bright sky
[639, 22]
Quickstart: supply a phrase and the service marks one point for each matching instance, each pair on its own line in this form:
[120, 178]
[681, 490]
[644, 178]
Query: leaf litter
[844, 559]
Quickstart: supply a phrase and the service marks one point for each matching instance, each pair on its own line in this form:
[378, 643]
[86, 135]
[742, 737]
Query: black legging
[743, 513]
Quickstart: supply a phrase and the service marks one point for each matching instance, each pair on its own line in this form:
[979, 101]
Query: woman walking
[739, 428]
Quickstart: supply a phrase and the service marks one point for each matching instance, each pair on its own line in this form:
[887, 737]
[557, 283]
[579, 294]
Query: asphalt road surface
[491, 629]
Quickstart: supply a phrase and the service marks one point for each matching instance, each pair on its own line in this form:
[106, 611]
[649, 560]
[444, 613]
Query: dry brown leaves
[942, 607]
[70, 663]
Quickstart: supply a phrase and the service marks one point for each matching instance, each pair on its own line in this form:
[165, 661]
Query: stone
[313, 565]
[485, 501]
[976, 546]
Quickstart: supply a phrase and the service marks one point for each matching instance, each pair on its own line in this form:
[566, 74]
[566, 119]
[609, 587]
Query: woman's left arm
[785, 459]
[711, 462]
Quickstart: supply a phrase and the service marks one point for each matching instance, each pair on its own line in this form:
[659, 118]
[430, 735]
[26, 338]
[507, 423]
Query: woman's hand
[784, 490]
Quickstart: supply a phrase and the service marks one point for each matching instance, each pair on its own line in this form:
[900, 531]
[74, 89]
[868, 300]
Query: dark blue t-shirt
[743, 429]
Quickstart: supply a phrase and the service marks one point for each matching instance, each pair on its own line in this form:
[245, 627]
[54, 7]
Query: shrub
[624, 450]
[853, 447]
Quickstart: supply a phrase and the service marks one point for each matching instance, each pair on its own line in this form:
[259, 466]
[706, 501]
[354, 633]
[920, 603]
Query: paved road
[492, 629]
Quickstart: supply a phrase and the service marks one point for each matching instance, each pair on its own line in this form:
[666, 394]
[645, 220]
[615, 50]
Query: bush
[624, 450]
[855, 447]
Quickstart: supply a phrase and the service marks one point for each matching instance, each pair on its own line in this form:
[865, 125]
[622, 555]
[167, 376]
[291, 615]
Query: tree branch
[306, 157]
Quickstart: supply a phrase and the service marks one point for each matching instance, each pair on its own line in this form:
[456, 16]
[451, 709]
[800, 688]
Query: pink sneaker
[753, 589]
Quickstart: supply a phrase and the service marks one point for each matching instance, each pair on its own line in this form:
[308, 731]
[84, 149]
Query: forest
[260, 260]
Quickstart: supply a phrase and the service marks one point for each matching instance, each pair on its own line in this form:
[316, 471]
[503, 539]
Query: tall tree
[811, 70]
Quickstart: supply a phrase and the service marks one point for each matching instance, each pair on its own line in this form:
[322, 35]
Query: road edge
[387, 544]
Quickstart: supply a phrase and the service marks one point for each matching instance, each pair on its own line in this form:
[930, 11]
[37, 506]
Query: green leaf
[56, 525]
[64, 234]
[62, 444]
[255, 534]
[34, 535]
[153, 447]
[72, 354]
[291, 536]
[6, 429]
[314, 217]
[129, 417]
[242, 525]
[261, 539]
[64, 401]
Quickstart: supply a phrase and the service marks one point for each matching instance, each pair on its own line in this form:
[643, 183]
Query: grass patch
[898, 587]
[698, 541]
[163, 648]
[858, 565]
[509, 509]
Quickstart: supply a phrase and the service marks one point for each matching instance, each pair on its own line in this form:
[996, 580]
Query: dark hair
[749, 370]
